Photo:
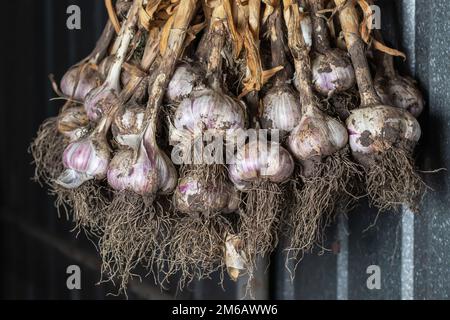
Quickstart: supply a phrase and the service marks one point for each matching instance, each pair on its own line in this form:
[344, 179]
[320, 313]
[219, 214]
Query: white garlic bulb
[317, 135]
[184, 80]
[260, 161]
[374, 129]
[194, 196]
[332, 72]
[281, 109]
[208, 109]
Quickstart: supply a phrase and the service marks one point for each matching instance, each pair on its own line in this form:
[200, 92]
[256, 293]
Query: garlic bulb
[128, 124]
[281, 109]
[193, 196]
[80, 80]
[400, 92]
[332, 72]
[85, 160]
[73, 123]
[317, 134]
[100, 100]
[184, 80]
[374, 129]
[144, 172]
[208, 109]
[267, 161]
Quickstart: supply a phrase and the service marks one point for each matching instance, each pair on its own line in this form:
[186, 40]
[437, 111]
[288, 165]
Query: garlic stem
[300, 53]
[216, 38]
[321, 39]
[348, 17]
[183, 16]
[277, 46]
[127, 33]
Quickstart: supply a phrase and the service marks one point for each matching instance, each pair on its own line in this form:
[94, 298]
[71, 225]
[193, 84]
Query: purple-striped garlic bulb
[144, 171]
[400, 92]
[193, 196]
[87, 158]
[317, 135]
[260, 161]
[73, 123]
[80, 80]
[281, 109]
[374, 129]
[332, 70]
[184, 80]
[207, 109]
[100, 100]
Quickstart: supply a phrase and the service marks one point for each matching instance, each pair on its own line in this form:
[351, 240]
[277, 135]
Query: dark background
[36, 246]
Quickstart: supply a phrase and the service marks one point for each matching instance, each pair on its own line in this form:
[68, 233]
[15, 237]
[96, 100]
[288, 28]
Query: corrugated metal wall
[412, 251]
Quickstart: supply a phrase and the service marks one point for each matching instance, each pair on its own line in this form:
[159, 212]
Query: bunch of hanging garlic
[131, 151]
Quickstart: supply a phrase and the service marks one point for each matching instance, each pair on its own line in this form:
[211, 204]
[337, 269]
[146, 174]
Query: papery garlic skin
[126, 173]
[306, 25]
[332, 72]
[317, 135]
[400, 92]
[146, 172]
[261, 161]
[281, 109]
[374, 129]
[128, 125]
[73, 123]
[184, 80]
[192, 196]
[80, 80]
[208, 109]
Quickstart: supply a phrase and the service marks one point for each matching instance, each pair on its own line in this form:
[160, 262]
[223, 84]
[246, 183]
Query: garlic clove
[128, 173]
[71, 179]
[88, 156]
[261, 161]
[100, 101]
[281, 109]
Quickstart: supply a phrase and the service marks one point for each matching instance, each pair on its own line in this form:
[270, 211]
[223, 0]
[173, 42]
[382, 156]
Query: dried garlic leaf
[366, 31]
[165, 34]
